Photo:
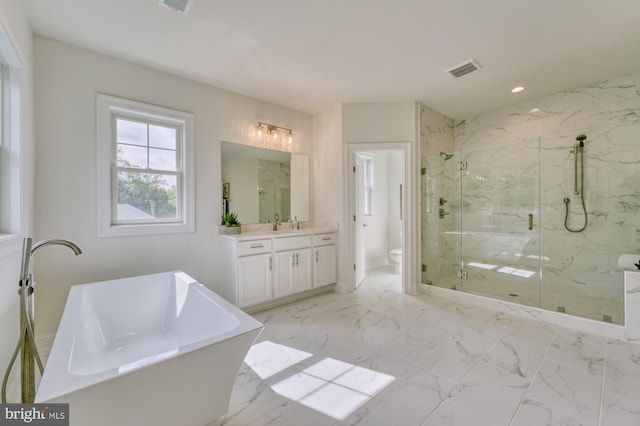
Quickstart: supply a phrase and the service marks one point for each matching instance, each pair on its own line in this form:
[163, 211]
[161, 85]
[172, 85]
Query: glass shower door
[500, 222]
[441, 207]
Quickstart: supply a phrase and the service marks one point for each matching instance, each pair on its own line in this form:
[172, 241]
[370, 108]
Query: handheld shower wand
[577, 149]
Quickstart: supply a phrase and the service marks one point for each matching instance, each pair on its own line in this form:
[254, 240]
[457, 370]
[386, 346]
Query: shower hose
[566, 200]
[26, 334]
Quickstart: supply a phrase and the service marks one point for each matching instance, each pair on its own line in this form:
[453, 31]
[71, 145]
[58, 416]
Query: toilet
[396, 257]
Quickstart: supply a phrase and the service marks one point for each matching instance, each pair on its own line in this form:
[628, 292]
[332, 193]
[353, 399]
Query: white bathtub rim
[57, 381]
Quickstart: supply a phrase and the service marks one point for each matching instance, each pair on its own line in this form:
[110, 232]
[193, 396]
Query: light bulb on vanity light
[274, 133]
[260, 131]
[290, 137]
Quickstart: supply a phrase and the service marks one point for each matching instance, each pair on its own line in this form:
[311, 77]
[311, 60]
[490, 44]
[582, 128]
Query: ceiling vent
[465, 68]
[180, 6]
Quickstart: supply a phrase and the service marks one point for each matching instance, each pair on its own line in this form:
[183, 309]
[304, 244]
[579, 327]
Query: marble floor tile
[575, 392]
[532, 413]
[449, 414]
[622, 379]
[533, 331]
[516, 356]
[420, 359]
[493, 394]
[412, 397]
[457, 354]
[618, 412]
[578, 350]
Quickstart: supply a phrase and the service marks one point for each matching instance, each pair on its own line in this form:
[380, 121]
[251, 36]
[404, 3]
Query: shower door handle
[530, 227]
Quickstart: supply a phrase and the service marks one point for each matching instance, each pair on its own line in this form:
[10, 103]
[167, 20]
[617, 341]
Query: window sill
[147, 229]
[10, 244]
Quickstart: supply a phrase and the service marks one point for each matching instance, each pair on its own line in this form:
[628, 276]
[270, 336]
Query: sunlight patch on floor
[268, 358]
[330, 386]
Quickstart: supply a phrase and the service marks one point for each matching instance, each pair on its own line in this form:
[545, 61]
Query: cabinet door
[302, 270]
[254, 279]
[284, 270]
[325, 266]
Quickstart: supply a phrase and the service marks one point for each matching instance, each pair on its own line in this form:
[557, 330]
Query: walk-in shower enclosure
[493, 214]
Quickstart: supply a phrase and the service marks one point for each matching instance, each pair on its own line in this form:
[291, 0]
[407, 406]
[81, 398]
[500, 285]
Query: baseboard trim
[585, 325]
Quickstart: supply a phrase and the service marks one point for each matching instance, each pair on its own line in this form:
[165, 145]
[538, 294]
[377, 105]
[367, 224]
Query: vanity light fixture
[273, 132]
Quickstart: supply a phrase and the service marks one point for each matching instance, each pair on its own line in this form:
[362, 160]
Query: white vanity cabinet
[254, 269]
[292, 265]
[258, 273]
[324, 254]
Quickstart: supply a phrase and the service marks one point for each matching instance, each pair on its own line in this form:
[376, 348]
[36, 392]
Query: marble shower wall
[579, 270]
[274, 177]
[439, 254]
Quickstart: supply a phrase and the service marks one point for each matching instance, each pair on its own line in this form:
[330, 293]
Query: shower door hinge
[354, 169]
[424, 268]
[354, 217]
[423, 171]
[461, 274]
[354, 266]
[461, 165]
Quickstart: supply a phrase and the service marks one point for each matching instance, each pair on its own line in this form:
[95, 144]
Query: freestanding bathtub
[157, 349]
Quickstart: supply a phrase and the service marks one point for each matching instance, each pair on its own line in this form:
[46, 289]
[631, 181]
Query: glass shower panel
[581, 274]
[500, 222]
[441, 237]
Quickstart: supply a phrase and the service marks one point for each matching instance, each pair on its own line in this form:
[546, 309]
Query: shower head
[446, 156]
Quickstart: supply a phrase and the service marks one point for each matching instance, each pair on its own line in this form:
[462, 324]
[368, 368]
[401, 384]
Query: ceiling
[310, 54]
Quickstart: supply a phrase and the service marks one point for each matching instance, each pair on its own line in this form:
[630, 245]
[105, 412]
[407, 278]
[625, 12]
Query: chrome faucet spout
[28, 249]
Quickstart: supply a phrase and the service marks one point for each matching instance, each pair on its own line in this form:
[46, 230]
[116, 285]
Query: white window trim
[14, 221]
[106, 107]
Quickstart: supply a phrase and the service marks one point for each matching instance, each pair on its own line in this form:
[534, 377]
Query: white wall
[388, 123]
[16, 28]
[67, 79]
[328, 194]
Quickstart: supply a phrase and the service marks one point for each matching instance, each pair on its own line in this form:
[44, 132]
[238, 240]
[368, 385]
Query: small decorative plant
[230, 219]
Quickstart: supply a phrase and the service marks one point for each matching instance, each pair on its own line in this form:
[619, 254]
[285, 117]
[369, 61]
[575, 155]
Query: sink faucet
[276, 218]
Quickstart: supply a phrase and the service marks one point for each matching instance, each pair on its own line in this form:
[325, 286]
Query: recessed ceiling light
[517, 89]
[536, 109]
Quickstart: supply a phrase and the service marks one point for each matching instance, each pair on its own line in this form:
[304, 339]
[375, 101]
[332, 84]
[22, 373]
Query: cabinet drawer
[324, 239]
[291, 243]
[253, 247]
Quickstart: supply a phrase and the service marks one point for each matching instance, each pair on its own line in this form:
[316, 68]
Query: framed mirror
[262, 184]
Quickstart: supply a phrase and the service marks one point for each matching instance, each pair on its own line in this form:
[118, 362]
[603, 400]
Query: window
[145, 162]
[368, 186]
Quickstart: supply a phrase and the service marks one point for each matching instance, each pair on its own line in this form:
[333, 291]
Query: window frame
[369, 185]
[13, 200]
[109, 109]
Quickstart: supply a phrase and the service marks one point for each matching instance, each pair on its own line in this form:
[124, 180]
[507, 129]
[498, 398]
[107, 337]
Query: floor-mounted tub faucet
[26, 343]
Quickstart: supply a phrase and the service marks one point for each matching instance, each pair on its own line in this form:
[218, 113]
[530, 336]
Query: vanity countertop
[283, 233]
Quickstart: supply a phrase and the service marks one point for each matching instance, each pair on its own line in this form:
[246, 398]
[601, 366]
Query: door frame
[409, 248]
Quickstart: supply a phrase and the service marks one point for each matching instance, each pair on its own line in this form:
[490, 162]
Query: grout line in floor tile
[533, 377]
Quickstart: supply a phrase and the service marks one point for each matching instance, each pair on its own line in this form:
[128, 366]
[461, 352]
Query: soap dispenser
[296, 224]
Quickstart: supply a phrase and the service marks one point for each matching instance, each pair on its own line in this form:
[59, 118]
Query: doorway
[378, 206]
